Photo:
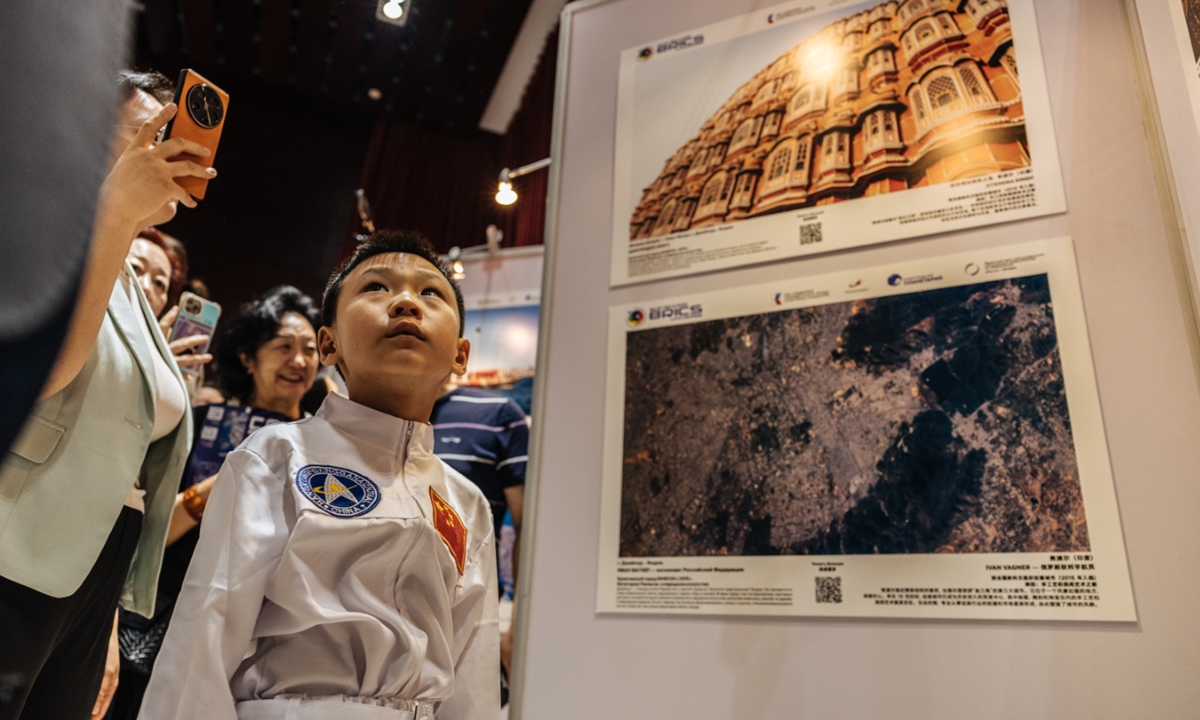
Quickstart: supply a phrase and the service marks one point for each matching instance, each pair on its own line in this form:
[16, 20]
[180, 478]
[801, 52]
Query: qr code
[829, 589]
[810, 234]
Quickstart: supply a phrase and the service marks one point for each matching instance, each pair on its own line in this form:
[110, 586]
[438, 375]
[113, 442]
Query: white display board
[576, 663]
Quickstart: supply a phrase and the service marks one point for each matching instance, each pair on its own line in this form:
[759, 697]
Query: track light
[391, 12]
[505, 195]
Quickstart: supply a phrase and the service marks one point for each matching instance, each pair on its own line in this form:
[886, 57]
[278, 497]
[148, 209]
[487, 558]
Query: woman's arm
[181, 520]
[142, 181]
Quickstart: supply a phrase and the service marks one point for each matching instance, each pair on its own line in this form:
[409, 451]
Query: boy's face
[396, 328]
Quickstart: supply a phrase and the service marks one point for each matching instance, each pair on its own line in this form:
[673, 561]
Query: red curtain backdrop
[443, 183]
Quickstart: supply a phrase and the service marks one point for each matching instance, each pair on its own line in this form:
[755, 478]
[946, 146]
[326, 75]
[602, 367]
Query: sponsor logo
[810, 294]
[776, 17]
[339, 492]
[682, 311]
[645, 54]
[679, 43]
[896, 279]
[856, 283]
[635, 318]
[971, 269]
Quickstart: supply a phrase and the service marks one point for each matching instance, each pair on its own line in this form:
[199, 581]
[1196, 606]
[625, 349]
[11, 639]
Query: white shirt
[319, 571]
[170, 400]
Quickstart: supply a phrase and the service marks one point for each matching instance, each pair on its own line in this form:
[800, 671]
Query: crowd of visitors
[271, 534]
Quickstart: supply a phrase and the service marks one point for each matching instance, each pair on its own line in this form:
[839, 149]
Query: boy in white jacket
[343, 571]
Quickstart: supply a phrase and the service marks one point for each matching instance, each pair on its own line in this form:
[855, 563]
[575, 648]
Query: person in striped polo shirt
[485, 436]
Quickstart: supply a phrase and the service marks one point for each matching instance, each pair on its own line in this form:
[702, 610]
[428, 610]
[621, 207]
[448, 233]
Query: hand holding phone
[197, 317]
[201, 118]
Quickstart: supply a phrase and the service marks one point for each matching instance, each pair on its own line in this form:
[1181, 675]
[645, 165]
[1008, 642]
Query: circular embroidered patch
[337, 491]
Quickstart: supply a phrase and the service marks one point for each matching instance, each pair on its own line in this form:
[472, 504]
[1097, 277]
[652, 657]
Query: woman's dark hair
[257, 323]
[153, 83]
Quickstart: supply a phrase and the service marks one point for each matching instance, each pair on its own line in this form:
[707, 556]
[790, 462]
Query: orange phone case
[200, 118]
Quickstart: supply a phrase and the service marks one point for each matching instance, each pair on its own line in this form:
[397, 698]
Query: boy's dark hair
[257, 323]
[153, 83]
[388, 241]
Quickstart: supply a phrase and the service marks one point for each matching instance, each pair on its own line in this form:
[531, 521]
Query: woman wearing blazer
[87, 491]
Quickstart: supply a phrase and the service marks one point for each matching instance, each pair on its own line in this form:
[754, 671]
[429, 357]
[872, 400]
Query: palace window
[667, 217]
[834, 151]
[801, 156]
[852, 41]
[925, 34]
[765, 93]
[949, 28]
[880, 61]
[979, 9]
[943, 94]
[1009, 62]
[771, 125]
[779, 163]
[800, 102]
[916, 98]
[878, 29]
[972, 83]
[847, 81]
[712, 190]
[746, 134]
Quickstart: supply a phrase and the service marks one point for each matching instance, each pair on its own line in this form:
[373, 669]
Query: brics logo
[682, 311]
[678, 43]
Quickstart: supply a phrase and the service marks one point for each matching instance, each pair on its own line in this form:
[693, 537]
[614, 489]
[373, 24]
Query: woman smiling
[267, 357]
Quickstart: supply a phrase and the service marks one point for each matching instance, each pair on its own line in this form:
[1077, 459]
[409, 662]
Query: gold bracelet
[193, 503]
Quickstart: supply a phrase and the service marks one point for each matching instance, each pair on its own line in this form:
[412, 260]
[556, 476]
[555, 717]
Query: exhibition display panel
[917, 439]
[889, 379]
[807, 128]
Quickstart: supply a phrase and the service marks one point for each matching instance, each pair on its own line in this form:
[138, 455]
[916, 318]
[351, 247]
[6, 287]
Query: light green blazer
[65, 480]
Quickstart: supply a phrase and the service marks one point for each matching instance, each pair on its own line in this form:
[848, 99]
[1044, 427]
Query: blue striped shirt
[484, 436]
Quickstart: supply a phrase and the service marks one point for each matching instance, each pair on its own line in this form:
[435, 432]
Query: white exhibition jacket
[338, 556]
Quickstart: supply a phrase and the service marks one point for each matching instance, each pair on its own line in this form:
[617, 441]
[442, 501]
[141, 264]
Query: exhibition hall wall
[1085, 264]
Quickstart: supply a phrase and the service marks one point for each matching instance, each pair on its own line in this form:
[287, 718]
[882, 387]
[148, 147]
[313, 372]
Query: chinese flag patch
[450, 526]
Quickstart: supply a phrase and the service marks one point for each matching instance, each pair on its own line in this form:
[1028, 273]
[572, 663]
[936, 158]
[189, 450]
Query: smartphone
[197, 316]
[200, 118]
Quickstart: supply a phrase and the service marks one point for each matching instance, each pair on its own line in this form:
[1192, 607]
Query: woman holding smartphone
[267, 359]
[87, 490]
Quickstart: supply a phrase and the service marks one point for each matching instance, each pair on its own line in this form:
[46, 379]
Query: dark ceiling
[301, 127]
[438, 70]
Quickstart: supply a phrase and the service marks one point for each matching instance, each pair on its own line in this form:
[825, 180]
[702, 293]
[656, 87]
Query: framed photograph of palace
[816, 126]
[917, 440]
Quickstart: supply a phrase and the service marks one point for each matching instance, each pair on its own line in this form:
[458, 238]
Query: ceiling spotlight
[391, 12]
[505, 195]
[457, 268]
[375, 93]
